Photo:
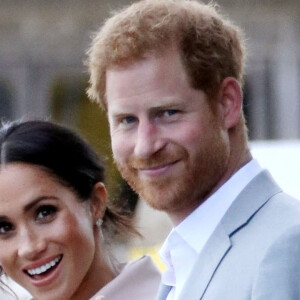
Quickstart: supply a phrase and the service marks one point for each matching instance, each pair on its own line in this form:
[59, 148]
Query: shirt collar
[200, 224]
[196, 229]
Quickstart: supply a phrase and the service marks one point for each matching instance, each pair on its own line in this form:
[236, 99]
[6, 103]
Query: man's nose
[149, 139]
[31, 244]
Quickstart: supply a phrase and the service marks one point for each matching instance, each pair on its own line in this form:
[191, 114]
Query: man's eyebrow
[171, 105]
[167, 105]
[120, 114]
[36, 201]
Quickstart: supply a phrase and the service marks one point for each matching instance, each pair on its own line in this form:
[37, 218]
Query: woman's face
[47, 238]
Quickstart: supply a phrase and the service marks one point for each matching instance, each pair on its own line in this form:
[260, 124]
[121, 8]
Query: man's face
[166, 141]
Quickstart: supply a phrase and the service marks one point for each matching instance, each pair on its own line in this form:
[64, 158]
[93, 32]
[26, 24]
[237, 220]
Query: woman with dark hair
[55, 222]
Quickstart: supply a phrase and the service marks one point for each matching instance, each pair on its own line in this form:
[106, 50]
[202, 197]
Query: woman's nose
[31, 244]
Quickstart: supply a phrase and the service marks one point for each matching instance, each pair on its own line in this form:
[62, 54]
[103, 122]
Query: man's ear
[230, 101]
[98, 201]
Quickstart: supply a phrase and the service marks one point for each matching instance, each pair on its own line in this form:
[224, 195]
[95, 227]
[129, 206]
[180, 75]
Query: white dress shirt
[185, 242]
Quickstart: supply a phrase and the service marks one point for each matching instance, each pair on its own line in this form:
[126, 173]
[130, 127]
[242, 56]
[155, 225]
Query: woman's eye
[5, 228]
[46, 213]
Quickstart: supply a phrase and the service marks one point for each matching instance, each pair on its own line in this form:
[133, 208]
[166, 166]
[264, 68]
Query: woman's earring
[99, 222]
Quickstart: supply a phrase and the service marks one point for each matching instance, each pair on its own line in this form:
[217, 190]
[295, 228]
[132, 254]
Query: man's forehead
[155, 53]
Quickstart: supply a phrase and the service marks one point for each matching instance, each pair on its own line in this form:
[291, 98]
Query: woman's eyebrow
[34, 202]
[3, 218]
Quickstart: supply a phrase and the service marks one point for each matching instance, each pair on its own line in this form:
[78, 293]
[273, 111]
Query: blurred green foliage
[71, 107]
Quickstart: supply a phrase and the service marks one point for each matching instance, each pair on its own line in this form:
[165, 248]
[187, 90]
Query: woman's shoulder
[138, 278]
[142, 271]
[142, 264]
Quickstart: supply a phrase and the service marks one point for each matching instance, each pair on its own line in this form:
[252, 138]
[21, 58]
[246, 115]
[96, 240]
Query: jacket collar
[247, 204]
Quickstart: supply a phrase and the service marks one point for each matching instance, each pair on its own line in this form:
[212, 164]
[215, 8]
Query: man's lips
[156, 169]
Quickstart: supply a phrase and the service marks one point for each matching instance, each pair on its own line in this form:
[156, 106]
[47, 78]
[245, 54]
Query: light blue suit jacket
[254, 253]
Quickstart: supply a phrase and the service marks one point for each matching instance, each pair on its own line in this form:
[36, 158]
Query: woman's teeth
[44, 268]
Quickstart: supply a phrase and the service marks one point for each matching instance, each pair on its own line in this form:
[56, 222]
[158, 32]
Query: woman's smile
[45, 232]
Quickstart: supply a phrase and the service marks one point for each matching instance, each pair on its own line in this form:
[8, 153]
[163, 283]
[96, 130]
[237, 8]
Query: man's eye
[5, 228]
[170, 112]
[128, 120]
[45, 213]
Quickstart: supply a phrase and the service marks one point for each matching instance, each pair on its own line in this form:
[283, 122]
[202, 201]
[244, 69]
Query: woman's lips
[43, 274]
[42, 268]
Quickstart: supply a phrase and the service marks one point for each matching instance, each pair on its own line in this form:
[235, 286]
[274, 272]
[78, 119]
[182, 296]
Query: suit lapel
[214, 251]
[163, 292]
[219, 244]
[255, 195]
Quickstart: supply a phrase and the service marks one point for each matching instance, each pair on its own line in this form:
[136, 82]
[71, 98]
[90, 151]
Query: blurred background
[43, 44]
[42, 75]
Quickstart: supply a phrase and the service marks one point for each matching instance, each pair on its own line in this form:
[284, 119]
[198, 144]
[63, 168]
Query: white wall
[282, 159]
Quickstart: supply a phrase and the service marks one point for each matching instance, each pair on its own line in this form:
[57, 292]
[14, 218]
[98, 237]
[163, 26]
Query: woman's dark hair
[55, 148]
[64, 154]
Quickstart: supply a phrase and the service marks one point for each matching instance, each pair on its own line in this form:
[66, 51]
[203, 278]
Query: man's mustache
[157, 159]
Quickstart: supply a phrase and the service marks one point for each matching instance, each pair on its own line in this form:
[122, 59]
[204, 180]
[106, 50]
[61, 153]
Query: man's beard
[197, 178]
